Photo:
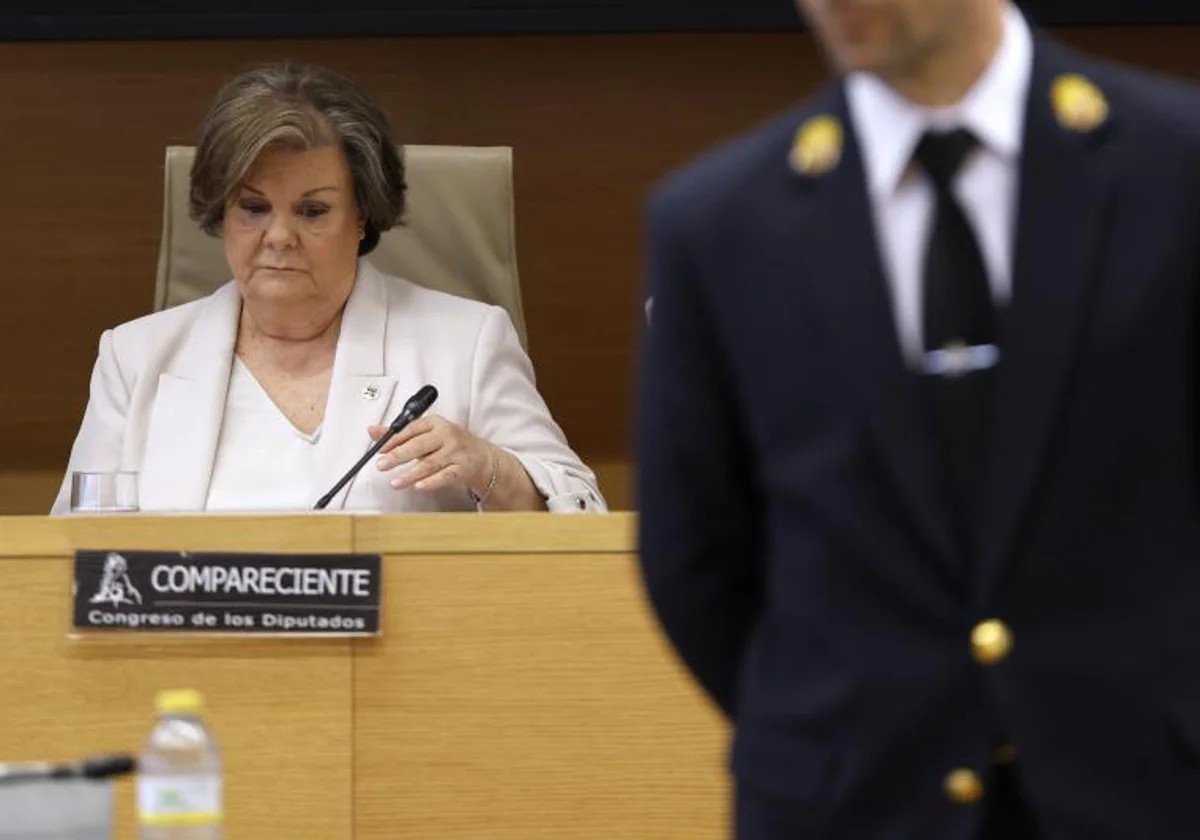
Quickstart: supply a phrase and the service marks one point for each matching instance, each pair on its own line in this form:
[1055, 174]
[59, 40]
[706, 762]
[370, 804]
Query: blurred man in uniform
[918, 439]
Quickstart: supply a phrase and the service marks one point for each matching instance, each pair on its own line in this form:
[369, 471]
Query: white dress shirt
[263, 462]
[889, 128]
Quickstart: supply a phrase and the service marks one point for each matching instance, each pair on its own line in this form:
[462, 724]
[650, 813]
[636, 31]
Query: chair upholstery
[458, 235]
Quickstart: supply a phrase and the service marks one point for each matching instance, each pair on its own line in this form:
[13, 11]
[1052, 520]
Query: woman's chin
[281, 286]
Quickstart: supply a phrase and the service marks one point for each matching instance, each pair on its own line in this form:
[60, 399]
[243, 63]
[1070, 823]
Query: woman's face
[291, 237]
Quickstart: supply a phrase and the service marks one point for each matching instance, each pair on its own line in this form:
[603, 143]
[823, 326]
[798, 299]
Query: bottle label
[179, 801]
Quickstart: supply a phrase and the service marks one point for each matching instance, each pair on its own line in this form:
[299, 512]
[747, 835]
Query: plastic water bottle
[179, 773]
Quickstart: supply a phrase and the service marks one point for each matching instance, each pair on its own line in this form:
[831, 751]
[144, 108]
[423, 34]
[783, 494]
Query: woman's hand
[443, 454]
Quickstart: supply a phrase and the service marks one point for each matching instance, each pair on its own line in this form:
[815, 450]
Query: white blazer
[158, 394]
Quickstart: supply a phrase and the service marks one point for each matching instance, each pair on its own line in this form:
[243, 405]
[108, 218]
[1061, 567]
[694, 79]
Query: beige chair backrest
[458, 235]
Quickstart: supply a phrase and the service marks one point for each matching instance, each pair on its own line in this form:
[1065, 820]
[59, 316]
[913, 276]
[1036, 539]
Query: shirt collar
[889, 126]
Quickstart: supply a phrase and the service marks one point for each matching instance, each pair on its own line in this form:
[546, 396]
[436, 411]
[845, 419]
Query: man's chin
[859, 58]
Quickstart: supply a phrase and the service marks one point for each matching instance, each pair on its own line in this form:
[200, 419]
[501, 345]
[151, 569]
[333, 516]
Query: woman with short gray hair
[260, 395]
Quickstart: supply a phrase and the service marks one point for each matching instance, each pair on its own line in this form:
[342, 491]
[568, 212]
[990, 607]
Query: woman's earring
[362, 233]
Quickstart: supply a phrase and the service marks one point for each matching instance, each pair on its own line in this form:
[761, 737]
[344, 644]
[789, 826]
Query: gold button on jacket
[991, 641]
[964, 787]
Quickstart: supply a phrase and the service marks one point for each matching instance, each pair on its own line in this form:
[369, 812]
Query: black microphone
[101, 767]
[417, 405]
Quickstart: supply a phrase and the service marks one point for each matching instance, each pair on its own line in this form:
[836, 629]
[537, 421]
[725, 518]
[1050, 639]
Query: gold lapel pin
[1078, 104]
[371, 392]
[817, 147]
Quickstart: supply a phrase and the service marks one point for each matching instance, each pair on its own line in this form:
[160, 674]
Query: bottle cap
[179, 702]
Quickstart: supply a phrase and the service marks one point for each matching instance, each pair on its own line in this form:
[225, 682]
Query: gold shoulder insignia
[1078, 104]
[817, 147]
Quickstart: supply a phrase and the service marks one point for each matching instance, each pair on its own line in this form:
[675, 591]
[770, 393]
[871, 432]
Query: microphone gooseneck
[416, 405]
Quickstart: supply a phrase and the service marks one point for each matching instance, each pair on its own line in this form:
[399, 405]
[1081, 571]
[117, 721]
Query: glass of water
[104, 492]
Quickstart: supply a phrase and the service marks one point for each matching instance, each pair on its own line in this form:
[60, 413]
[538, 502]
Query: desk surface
[455, 533]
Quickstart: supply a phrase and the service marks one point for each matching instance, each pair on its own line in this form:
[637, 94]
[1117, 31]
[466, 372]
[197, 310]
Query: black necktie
[960, 340]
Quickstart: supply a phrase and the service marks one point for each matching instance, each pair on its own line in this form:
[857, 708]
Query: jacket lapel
[185, 422]
[852, 286]
[1062, 209]
[359, 392]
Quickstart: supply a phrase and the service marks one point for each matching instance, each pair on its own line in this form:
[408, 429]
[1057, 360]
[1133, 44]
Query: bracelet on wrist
[480, 499]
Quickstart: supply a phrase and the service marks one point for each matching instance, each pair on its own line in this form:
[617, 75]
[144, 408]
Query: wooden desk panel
[526, 694]
[282, 711]
[521, 688]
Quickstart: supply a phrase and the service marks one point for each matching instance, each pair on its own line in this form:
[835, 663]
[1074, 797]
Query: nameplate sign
[252, 594]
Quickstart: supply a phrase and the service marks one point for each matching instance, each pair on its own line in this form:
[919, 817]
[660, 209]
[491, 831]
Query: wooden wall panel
[595, 120]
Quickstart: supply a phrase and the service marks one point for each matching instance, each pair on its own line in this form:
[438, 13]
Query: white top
[889, 128]
[263, 462]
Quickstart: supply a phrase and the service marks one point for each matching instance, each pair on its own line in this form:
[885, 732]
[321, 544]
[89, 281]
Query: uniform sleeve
[699, 530]
[507, 411]
[98, 444]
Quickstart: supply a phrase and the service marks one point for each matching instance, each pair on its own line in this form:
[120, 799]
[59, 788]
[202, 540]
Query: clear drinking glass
[104, 492]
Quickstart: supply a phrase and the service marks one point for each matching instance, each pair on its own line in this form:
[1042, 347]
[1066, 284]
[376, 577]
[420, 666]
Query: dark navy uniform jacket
[793, 540]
